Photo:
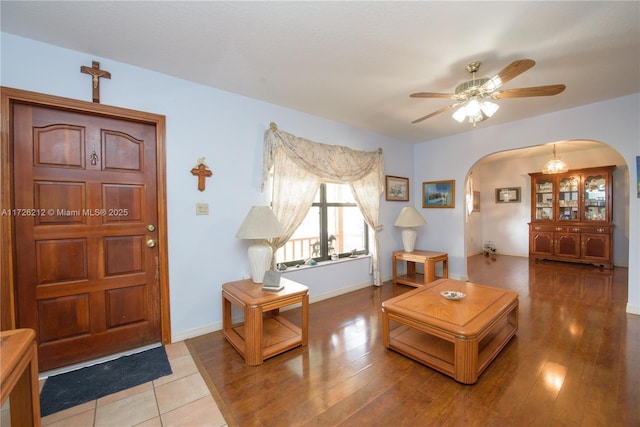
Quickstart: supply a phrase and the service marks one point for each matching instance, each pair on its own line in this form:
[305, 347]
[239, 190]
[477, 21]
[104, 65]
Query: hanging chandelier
[555, 165]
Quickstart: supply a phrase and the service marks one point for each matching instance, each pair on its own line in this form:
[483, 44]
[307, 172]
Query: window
[333, 225]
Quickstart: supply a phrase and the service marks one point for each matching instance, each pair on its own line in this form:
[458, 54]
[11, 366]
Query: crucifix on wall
[96, 73]
[202, 171]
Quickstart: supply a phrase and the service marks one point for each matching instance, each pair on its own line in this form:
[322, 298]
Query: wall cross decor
[202, 171]
[96, 73]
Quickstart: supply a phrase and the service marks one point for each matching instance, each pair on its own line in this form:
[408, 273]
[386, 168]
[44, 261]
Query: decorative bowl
[453, 295]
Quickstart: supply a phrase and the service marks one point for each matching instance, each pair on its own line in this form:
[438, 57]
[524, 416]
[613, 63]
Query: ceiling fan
[473, 97]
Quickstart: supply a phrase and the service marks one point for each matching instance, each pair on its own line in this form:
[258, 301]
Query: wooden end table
[427, 258]
[19, 355]
[264, 333]
[458, 338]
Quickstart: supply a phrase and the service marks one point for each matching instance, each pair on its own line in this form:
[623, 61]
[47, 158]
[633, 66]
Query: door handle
[151, 243]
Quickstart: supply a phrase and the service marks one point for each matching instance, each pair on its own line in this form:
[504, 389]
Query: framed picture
[438, 194]
[476, 201]
[397, 188]
[508, 195]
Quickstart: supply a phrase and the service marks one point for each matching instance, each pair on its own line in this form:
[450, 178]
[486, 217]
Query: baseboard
[633, 309]
[338, 292]
[196, 332]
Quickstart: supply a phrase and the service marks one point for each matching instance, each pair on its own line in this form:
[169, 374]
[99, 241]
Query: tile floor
[179, 399]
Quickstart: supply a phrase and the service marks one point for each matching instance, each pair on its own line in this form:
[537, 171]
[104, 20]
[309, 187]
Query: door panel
[596, 247]
[542, 243]
[120, 151]
[86, 280]
[59, 146]
[567, 245]
[63, 198]
[63, 317]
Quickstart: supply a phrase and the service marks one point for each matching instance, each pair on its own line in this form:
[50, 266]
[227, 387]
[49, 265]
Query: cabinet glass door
[595, 198]
[568, 198]
[544, 199]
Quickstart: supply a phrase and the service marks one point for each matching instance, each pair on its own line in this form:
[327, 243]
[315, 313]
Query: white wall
[614, 122]
[227, 129]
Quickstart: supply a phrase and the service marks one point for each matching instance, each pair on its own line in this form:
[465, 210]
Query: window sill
[324, 263]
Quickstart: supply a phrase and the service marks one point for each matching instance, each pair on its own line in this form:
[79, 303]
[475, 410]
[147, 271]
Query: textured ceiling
[357, 62]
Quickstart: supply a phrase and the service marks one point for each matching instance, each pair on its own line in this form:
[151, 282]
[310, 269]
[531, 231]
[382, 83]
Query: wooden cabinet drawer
[546, 228]
[596, 230]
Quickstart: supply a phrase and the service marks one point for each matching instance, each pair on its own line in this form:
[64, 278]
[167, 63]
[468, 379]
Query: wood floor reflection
[573, 362]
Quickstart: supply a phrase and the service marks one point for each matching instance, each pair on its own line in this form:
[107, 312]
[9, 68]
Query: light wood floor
[574, 362]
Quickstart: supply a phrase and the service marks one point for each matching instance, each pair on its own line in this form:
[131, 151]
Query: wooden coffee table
[457, 338]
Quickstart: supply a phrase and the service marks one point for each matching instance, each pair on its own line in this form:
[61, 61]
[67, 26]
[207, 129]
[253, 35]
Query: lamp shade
[409, 217]
[260, 223]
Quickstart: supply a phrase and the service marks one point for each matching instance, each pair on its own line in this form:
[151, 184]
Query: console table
[427, 258]
[264, 333]
[19, 355]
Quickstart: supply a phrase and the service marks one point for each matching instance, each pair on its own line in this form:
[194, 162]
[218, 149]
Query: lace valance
[331, 163]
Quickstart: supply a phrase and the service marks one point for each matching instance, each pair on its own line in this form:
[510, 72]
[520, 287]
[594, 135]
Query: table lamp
[409, 218]
[259, 225]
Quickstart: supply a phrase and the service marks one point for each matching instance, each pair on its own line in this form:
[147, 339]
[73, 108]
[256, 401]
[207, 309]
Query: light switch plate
[202, 208]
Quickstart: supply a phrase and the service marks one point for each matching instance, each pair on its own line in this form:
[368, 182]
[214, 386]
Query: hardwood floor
[573, 362]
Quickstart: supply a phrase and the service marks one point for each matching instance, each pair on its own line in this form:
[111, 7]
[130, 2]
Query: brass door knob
[151, 243]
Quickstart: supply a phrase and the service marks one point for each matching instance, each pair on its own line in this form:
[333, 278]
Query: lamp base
[409, 236]
[260, 259]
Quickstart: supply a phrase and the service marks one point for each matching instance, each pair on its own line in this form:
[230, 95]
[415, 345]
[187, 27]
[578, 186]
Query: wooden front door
[85, 212]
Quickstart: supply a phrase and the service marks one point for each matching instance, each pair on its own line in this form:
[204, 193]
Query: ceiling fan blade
[432, 95]
[435, 113]
[529, 91]
[509, 72]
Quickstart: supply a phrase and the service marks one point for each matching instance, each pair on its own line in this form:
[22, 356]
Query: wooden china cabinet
[571, 218]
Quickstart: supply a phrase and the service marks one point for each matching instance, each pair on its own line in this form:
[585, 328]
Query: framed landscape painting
[439, 194]
[397, 188]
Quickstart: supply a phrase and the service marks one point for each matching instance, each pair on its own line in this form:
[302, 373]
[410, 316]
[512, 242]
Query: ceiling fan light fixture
[489, 108]
[555, 165]
[473, 107]
[460, 114]
[475, 111]
[476, 118]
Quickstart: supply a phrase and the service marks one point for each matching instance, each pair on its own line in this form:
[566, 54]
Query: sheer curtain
[300, 165]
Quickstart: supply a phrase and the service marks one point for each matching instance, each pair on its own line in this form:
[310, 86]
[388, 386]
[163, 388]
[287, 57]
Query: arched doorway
[505, 224]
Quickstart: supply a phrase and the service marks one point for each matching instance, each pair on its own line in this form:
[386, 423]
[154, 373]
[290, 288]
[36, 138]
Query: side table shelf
[427, 258]
[278, 336]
